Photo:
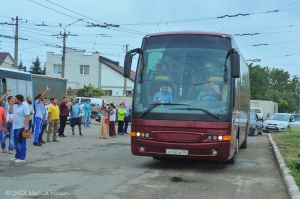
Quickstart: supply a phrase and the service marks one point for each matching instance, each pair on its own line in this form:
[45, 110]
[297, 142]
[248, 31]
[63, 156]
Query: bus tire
[245, 143]
[233, 159]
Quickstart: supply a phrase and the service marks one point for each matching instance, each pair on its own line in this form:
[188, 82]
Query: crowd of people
[47, 116]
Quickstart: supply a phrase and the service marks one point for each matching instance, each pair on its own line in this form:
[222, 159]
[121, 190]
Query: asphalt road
[88, 167]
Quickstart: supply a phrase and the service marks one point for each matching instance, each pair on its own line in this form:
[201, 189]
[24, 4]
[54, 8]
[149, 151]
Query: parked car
[98, 117]
[257, 110]
[255, 127]
[278, 122]
[95, 109]
[295, 123]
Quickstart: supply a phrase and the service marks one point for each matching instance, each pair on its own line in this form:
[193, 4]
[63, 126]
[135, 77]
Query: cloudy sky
[266, 30]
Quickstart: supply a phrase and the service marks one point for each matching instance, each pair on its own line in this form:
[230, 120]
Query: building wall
[8, 63]
[112, 80]
[100, 75]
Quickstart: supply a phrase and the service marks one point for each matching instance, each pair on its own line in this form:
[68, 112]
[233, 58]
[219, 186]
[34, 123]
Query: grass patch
[288, 144]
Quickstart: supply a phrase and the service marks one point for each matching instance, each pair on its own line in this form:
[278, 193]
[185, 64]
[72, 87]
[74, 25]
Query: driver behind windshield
[163, 96]
[209, 91]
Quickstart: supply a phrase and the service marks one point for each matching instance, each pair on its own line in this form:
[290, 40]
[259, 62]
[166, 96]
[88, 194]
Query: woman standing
[104, 122]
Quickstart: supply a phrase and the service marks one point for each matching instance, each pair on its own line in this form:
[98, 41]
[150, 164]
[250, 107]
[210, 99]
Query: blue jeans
[38, 128]
[3, 137]
[21, 144]
[125, 124]
[87, 119]
[10, 132]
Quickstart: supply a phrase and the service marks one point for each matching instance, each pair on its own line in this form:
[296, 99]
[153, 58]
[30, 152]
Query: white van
[92, 100]
[257, 110]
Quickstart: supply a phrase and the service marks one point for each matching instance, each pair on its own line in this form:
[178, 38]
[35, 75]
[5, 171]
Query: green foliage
[36, 68]
[20, 65]
[275, 85]
[91, 91]
[288, 145]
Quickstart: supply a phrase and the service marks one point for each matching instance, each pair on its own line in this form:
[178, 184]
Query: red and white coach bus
[191, 96]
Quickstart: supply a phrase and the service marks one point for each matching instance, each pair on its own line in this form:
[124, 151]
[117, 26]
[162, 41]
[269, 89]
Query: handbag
[26, 133]
[106, 120]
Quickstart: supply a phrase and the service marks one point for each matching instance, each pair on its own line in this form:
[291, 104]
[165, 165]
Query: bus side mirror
[128, 61]
[235, 65]
[127, 64]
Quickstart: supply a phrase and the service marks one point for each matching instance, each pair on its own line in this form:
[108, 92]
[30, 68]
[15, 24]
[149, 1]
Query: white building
[81, 69]
[7, 61]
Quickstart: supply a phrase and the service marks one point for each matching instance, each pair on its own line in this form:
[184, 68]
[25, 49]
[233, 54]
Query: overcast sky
[274, 25]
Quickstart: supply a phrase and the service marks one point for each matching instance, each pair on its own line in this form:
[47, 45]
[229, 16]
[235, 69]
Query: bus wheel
[245, 143]
[233, 159]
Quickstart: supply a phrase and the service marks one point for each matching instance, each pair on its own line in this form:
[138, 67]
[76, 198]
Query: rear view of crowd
[49, 117]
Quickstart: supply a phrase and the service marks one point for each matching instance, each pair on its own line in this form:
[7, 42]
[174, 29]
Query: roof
[3, 56]
[115, 66]
[189, 33]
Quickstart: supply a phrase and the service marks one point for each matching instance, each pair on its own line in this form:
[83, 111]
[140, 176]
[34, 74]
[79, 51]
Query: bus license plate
[177, 152]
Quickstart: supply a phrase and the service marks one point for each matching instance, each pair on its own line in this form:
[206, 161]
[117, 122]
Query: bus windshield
[189, 71]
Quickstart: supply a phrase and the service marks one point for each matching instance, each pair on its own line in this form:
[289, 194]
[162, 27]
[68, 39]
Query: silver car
[295, 123]
[278, 122]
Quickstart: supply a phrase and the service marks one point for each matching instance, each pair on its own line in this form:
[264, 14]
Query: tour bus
[191, 96]
[18, 81]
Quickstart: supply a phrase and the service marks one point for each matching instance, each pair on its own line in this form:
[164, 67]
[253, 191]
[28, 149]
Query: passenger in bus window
[209, 92]
[163, 96]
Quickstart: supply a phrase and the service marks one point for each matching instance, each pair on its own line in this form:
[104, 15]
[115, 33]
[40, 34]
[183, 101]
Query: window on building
[57, 69]
[109, 92]
[84, 69]
[128, 93]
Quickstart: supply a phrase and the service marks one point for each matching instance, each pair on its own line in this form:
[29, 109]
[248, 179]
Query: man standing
[75, 119]
[126, 117]
[44, 127]
[87, 113]
[121, 113]
[9, 122]
[21, 116]
[39, 116]
[31, 121]
[3, 129]
[64, 113]
[53, 119]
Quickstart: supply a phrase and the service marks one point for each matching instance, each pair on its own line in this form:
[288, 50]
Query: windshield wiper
[201, 83]
[158, 104]
[198, 109]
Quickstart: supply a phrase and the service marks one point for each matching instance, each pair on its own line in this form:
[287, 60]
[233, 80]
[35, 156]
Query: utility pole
[63, 58]
[125, 79]
[16, 43]
[16, 37]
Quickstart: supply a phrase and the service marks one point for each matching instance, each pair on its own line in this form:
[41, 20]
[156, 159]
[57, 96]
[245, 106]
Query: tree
[36, 68]
[20, 65]
[91, 91]
[275, 85]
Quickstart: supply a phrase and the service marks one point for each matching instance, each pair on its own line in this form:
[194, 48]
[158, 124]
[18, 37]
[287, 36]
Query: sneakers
[19, 161]
[4, 151]
[48, 141]
[37, 144]
[55, 141]
[10, 152]
[62, 136]
[13, 159]
[42, 142]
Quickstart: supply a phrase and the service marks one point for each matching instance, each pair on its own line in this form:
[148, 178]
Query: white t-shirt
[112, 117]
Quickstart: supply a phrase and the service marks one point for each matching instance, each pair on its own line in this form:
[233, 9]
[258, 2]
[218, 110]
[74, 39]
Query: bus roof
[190, 32]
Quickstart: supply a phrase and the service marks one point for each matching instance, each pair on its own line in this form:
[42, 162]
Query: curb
[289, 181]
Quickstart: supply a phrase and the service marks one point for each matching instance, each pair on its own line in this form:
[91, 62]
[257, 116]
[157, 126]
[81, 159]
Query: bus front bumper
[219, 151]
